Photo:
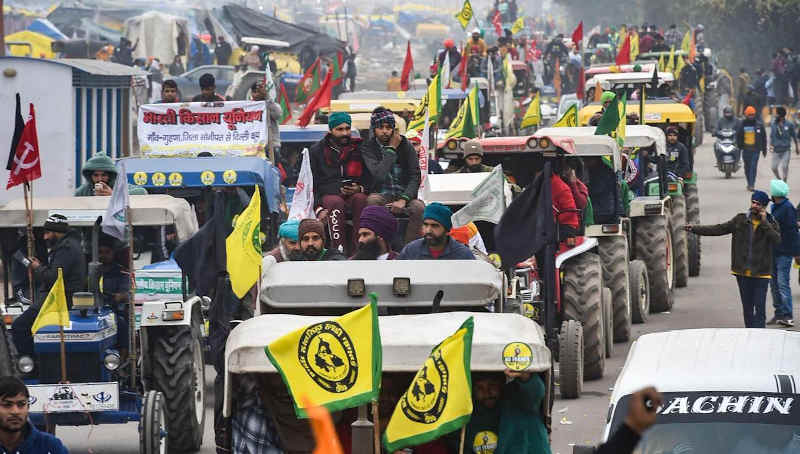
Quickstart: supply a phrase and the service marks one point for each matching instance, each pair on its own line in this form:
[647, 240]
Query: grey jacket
[418, 250]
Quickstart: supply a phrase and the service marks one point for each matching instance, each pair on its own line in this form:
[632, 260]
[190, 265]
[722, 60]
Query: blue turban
[289, 229]
[439, 213]
[337, 118]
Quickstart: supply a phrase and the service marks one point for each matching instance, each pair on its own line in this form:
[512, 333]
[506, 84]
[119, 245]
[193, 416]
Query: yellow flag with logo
[431, 102]
[569, 119]
[519, 24]
[336, 363]
[439, 399]
[54, 309]
[465, 15]
[670, 66]
[533, 115]
[243, 247]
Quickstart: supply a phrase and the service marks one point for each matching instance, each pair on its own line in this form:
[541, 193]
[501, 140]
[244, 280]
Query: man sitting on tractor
[378, 228]
[437, 243]
[288, 243]
[476, 45]
[565, 211]
[473, 159]
[677, 154]
[312, 242]
[114, 285]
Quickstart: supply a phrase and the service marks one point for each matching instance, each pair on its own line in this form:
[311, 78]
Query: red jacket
[564, 209]
[580, 193]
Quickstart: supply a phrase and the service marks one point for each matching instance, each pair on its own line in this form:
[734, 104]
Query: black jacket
[328, 178]
[750, 250]
[379, 165]
[678, 159]
[623, 441]
[760, 132]
[68, 256]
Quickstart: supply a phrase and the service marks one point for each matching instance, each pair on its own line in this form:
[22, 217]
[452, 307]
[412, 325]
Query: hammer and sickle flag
[439, 399]
[335, 363]
[243, 247]
[23, 164]
[54, 309]
[465, 15]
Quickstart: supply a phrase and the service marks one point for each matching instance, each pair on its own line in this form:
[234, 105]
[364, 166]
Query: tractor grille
[82, 367]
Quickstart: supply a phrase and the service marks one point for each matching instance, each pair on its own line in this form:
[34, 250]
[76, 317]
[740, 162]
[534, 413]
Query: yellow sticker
[175, 179]
[530, 311]
[159, 179]
[140, 178]
[485, 442]
[517, 356]
[207, 177]
[229, 176]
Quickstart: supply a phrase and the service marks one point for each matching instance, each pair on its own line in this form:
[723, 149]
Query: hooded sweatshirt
[100, 161]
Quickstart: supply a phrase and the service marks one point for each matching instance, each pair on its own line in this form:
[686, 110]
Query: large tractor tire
[582, 288]
[613, 252]
[654, 248]
[570, 364]
[693, 217]
[179, 373]
[681, 251]
[640, 292]
[608, 321]
[152, 424]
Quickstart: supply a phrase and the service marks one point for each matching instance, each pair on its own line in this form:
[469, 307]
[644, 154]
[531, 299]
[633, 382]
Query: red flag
[25, 165]
[581, 84]
[498, 27]
[577, 36]
[624, 52]
[688, 99]
[286, 106]
[462, 69]
[530, 55]
[408, 65]
[322, 98]
[308, 83]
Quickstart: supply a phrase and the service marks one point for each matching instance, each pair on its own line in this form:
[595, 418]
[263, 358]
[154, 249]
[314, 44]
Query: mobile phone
[20, 257]
[349, 182]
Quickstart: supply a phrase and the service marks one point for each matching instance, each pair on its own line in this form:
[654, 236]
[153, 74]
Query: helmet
[727, 111]
[700, 27]
[448, 43]
[477, 31]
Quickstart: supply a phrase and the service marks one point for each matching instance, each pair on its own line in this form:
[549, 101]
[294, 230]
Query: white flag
[114, 221]
[488, 201]
[269, 83]
[446, 69]
[423, 158]
[303, 201]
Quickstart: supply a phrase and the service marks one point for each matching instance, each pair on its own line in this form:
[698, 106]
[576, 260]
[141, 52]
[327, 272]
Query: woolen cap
[56, 223]
[337, 118]
[760, 197]
[310, 225]
[472, 147]
[439, 213]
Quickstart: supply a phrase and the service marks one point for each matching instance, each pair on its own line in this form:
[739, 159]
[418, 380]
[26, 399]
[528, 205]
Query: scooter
[727, 153]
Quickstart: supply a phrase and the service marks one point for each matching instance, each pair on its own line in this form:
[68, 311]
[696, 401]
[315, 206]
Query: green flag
[309, 84]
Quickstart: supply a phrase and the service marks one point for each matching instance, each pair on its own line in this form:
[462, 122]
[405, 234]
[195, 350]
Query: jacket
[275, 113]
[781, 135]
[751, 251]
[623, 441]
[418, 250]
[329, 169]
[522, 429]
[380, 160]
[466, 169]
[114, 280]
[727, 123]
[564, 209]
[483, 423]
[750, 136]
[328, 255]
[37, 442]
[678, 159]
[785, 215]
[68, 256]
[100, 161]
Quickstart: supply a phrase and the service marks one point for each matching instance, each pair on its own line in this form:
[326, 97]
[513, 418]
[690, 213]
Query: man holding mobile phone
[338, 171]
[754, 235]
[100, 173]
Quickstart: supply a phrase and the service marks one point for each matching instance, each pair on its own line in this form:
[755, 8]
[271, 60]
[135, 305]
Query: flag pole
[461, 438]
[28, 187]
[63, 355]
[131, 302]
[376, 430]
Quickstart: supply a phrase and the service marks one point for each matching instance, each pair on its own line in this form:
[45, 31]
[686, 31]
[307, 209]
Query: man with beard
[312, 233]
[17, 435]
[378, 227]
[436, 243]
[473, 159]
[393, 167]
[338, 171]
[288, 249]
[64, 246]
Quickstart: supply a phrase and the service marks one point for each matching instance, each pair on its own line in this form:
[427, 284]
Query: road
[574, 421]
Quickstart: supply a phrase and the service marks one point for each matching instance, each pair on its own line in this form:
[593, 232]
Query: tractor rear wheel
[613, 252]
[582, 288]
[654, 248]
[693, 217]
[681, 251]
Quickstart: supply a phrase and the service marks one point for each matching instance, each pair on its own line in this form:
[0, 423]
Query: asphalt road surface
[710, 300]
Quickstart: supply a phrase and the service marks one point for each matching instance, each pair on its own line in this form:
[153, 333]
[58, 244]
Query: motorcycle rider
[726, 121]
[677, 154]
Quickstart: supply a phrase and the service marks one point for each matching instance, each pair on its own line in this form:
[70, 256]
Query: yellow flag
[670, 60]
[534, 114]
[519, 24]
[465, 124]
[661, 63]
[623, 120]
[569, 119]
[431, 102]
[686, 44]
[336, 363]
[54, 309]
[465, 15]
[439, 399]
[243, 247]
[678, 66]
[634, 46]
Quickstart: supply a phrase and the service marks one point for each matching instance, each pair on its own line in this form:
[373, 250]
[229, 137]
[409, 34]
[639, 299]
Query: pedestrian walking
[784, 252]
[781, 135]
[752, 140]
[755, 234]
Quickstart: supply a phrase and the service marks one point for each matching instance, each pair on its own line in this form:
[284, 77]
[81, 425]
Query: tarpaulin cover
[46, 27]
[40, 44]
[249, 22]
[157, 34]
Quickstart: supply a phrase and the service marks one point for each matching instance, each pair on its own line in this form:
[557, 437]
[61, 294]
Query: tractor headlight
[111, 360]
[544, 142]
[451, 144]
[401, 286]
[25, 364]
[531, 143]
[356, 287]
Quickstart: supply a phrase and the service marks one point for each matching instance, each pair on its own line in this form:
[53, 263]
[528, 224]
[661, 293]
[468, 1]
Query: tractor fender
[587, 245]
[170, 313]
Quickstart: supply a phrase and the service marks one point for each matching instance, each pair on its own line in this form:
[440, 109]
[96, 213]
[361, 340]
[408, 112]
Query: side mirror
[579, 449]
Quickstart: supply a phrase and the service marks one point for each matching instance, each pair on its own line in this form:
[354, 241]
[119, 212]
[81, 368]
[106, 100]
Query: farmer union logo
[175, 179]
[140, 178]
[425, 400]
[229, 176]
[328, 356]
[517, 356]
[485, 442]
[159, 179]
[207, 177]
